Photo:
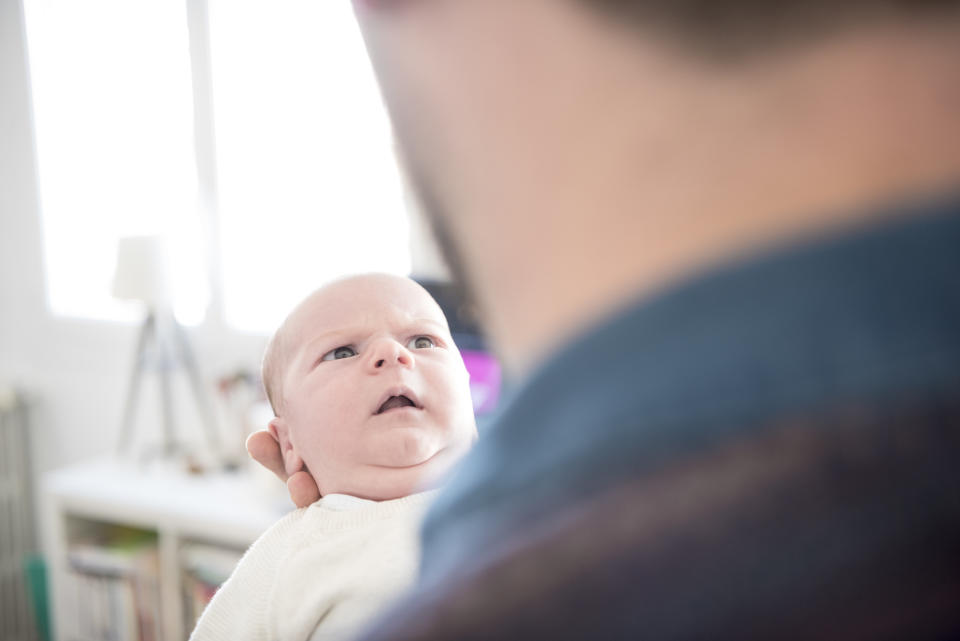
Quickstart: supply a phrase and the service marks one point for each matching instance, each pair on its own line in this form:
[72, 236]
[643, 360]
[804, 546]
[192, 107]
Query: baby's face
[376, 399]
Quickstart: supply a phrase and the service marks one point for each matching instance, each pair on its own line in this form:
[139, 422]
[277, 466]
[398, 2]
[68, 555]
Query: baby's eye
[344, 351]
[421, 342]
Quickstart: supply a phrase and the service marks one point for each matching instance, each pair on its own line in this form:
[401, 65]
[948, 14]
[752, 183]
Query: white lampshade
[141, 271]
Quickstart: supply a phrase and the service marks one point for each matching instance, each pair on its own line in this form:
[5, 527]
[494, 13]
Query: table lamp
[162, 347]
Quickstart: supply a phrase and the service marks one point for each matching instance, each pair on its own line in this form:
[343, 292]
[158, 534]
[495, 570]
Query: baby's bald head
[312, 310]
[369, 391]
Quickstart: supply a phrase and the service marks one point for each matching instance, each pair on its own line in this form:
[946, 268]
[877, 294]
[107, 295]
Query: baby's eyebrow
[326, 337]
[333, 336]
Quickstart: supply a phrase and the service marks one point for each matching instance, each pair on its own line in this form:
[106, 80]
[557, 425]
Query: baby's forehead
[366, 302]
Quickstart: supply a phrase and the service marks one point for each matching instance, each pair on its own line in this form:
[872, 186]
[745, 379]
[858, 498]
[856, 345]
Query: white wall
[77, 371]
[23, 319]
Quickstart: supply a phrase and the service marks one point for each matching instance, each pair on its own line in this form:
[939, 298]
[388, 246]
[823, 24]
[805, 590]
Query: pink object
[485, 378]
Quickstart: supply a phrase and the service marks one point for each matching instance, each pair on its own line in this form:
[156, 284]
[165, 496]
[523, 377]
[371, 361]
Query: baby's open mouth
[397, 397]
[394, 402]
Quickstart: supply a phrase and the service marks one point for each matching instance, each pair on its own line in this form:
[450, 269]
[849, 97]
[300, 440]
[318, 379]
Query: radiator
[18, 540]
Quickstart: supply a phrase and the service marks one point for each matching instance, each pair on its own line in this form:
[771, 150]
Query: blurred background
[174, 177]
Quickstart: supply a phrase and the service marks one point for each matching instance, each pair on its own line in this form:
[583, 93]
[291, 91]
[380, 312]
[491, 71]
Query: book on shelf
[111, 587]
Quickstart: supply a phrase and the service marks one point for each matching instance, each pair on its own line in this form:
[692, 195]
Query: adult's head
[369, 390]
[574, 153]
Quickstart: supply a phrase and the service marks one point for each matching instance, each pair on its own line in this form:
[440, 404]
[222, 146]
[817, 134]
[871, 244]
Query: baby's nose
[390, 352]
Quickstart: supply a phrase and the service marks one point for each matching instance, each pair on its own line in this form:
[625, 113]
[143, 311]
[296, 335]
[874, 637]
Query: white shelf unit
[228, 510]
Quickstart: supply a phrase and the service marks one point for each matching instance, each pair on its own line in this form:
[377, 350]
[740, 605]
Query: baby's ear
[281, 431]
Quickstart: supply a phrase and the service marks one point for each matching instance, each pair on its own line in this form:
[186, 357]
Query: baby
[371, 397]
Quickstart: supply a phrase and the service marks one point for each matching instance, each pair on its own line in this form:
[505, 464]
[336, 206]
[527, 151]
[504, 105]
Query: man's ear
[279, 429]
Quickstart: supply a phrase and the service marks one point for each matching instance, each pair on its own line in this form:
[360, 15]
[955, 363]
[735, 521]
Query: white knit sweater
[321, 572]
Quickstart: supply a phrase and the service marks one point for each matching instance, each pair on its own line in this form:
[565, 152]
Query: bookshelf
[133, 551]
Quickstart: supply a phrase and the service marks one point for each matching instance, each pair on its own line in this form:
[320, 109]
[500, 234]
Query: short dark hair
[742, 26]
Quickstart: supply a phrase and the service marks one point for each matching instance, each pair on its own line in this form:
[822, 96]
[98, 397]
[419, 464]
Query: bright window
[113, 116]
[307, 184]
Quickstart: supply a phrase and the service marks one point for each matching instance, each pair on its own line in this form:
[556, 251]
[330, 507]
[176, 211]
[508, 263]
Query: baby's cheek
[344, 399]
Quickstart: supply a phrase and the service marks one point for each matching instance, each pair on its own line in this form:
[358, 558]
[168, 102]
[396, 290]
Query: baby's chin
[402, 462]
[408, 468]
[405, 448]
